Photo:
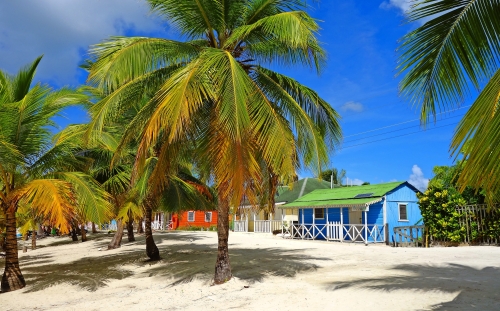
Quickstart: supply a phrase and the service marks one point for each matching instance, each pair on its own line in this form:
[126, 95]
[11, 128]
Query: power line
[373, 141]
[398, 130]
[396, 124]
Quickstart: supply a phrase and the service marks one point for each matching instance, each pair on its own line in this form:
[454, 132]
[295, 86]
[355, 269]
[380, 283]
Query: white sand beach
[269, 274]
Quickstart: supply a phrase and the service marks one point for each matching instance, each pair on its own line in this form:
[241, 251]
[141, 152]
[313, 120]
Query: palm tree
[132, 198]
[247, 123]
[457, 50]
[33, 171]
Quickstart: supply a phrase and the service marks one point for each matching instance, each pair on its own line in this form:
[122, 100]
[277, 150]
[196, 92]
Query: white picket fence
[240, 225]
[259, 226]
[336, 231]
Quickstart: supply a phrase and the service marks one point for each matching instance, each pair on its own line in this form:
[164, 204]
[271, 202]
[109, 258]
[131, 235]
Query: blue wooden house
[358, 214]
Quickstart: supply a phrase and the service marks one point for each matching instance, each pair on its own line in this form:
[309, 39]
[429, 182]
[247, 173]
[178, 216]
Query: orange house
[204, 219]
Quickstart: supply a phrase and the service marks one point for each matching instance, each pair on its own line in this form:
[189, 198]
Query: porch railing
[336, 231]
[241, 226]
[267, 226]
[262, 226]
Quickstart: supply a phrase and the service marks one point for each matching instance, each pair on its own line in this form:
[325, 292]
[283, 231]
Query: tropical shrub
[438, 206]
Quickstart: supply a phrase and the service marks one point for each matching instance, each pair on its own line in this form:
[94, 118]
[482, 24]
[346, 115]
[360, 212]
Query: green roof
[292, 192]
[346, 196]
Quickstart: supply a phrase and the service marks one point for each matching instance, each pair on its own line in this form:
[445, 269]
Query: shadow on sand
[477, 288]
[180, 263]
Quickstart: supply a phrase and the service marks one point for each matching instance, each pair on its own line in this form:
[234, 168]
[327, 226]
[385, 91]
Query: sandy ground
[269, 274]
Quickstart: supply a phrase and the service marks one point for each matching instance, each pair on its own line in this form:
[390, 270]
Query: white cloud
[63, 30]
[403, 5]
[417, 178]
[352, 106]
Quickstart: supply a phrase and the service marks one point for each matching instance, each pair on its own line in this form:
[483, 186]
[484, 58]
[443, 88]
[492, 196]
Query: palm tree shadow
[184, 263]
[477, 288]
[180, 263]
[89, 273]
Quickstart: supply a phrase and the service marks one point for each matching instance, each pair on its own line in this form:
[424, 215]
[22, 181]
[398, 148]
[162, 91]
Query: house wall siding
[181, 220]
[406, 195]
[375, 214]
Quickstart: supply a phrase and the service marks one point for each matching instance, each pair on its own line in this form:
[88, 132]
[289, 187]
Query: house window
[319, 213]
[191, 216]
[208, 216]
[403, 213]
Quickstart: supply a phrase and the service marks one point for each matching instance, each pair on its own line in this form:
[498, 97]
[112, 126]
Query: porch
[337, 231]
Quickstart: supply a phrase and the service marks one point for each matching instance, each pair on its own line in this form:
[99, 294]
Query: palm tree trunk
[130, 230]
[222, 265]
[117, 238]
[33, 238]
[84, 234]
[151, 249]
[140, 229]
[74, 236]
[94, 230]
[25, 238]
[12, 278]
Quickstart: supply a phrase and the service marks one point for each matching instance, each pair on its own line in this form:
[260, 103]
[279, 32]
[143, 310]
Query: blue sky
[359, 80]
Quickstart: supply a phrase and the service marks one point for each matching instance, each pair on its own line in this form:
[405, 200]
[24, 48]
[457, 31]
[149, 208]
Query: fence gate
[406, 236]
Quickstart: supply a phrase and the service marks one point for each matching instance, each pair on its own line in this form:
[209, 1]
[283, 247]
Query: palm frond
[123, 59]
[52, 199]
[478, 138]
[314, 120]
[93, 202]
[291, 33]
[457, 48]
[23, 79]
[193, 18]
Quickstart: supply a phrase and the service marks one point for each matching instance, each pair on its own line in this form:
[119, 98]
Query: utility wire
[396, 124]
[405, 128]
[373, 141]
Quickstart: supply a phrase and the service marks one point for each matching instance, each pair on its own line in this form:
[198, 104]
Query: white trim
[194, 215]
[399, 211]
[384, 208]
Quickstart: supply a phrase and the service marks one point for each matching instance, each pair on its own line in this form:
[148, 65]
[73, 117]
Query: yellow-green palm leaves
[457, 50]
[33, 170]
[214, 93]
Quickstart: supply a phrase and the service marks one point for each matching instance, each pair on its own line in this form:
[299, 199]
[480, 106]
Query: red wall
[181, 220]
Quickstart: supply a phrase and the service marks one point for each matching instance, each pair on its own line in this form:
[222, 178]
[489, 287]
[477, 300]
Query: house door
[355, 217]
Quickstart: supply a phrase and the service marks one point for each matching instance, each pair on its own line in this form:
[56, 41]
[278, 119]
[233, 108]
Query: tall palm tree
[34, 171]
[457, 50]
[246, 122]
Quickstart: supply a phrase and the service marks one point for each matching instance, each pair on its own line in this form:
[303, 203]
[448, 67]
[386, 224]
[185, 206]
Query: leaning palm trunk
[12, 278]
[222, 265]
[151, 248]
[94, 230]
[117, 238]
